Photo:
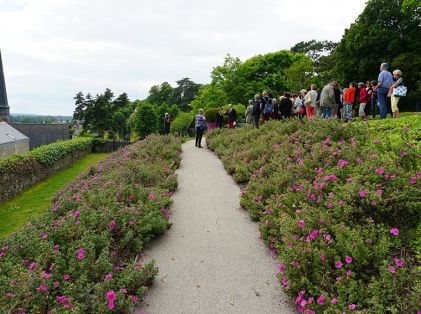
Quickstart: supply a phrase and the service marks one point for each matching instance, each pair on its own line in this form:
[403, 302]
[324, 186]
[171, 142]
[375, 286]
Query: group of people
[362, 98]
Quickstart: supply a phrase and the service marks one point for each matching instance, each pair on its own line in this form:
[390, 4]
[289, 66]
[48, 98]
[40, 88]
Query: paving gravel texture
[211, 260]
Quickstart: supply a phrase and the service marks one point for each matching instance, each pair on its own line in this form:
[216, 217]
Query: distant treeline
[39, 119]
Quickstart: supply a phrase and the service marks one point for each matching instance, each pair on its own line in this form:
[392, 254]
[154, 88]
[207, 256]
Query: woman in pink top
[363, 100]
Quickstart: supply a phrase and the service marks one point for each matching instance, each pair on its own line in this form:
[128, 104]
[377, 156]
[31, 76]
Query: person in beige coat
[327, 100]
[249, 112]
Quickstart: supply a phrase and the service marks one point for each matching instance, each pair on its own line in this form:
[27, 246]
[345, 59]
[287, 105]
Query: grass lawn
[15, 212]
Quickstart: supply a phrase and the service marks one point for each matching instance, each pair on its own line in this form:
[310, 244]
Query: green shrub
[180, 123]
[210, 114]
[323, 193]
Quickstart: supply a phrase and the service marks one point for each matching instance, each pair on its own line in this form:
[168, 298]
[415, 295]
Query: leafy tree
[159, 94]
[382, 32]
[120, 126]
[320, 52]
[160, 113]
[144, 120]
[300, 74]
[185, 92]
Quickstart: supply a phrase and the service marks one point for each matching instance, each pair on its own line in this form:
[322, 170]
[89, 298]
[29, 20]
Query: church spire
[4, 106]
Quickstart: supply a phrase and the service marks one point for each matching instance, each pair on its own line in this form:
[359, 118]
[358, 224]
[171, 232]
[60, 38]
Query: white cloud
[54, 48]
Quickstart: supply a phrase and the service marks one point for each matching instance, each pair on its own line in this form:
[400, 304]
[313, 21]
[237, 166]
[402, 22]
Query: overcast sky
[52, 49]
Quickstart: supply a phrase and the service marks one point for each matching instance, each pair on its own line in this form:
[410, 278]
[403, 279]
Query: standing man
[384, 82]
[167, 123]
[327, 99]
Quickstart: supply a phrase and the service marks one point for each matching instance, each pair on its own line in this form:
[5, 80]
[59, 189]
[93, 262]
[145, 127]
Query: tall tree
[300, 74]
[159, 94]
[185, 92]
[382, 32]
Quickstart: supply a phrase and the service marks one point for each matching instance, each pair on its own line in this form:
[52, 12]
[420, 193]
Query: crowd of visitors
[362, 99]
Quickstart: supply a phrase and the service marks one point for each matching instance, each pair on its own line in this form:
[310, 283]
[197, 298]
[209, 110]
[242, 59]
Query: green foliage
[382, 32]
[324, 192]
[159, 94]
[210, 114]
[185, 92]
[94, 233]
[39, 119]
[46, 155]
[99, 114]
[163, 108]
[180, 124]
[300, 74]
[145, 120]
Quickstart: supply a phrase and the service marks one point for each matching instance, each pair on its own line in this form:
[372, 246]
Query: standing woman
[397, 78]
[200, 128]
[167, 123]
[285, 106]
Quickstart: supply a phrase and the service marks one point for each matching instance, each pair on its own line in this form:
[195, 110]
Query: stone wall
[43, 134]
[18, 147]
[17, 181]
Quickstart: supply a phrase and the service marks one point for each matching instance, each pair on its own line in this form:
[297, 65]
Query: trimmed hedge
[46, 155]
[84, 255]
[339, 204]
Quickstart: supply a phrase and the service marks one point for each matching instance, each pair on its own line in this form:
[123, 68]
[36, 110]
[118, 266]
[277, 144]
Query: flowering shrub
[83, 255]
[339, 204]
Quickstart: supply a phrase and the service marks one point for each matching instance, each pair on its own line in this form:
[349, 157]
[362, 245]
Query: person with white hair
[200, 127]
[167, 123]
[384, 82]
[397, 75]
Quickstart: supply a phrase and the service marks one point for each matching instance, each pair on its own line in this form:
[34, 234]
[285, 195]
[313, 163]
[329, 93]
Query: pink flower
[321, 299]
[151, 196]
[56, 284]
[322, 257]
[362, 193]
[352, 307]
[380, 171]
[123, 291]
[392, 269]
[32, 266]
[80, 254]
[403, 154]
[46, 275]
[349, 273]
[348, 259]
[413, 180]
[394, 231]
[134, 298]
[108, 276]
[66, 277]
[284, 282]
[349, 180]
[112, 225]
[338, 264]
[328, 237]
[281, 267]
[333, 301]
[42, 288]
[399, 262]
[300, 223]
[111, 298]
[62, 299]
[379, 192]
[342, 163]
[131, 222]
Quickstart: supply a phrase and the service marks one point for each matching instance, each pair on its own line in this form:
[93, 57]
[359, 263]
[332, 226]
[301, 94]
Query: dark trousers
[256, 121]
[199, 134]
[382, 98]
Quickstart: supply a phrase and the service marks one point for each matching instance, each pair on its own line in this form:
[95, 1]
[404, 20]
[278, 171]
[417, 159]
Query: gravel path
[211, 260]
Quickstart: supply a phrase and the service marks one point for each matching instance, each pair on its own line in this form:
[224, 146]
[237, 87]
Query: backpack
[268, 108]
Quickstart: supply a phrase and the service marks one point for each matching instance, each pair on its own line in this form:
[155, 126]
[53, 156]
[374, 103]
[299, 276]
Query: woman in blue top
[200, 123]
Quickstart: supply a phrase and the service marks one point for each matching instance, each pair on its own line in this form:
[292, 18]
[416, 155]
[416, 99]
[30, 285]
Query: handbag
[203, 126]
[400, 91]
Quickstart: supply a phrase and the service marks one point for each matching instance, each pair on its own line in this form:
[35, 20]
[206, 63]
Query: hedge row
[339, 204]
[83, 255]
[46, 155]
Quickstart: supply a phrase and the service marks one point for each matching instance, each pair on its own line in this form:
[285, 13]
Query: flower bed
[339, 204]
[83, 256]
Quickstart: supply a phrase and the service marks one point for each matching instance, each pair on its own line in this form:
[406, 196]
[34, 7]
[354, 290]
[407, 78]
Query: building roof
[9, 135]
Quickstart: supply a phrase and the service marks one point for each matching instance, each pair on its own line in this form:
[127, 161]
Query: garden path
[211, 260]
